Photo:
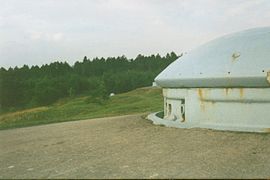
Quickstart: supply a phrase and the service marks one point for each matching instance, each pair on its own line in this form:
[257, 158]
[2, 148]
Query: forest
[27, 87]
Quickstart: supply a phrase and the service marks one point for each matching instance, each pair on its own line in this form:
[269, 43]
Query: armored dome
[237, 60]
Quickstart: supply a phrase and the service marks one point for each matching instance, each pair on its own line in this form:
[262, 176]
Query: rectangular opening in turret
[182, 110]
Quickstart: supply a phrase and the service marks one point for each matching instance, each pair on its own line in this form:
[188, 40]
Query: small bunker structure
[223, 84]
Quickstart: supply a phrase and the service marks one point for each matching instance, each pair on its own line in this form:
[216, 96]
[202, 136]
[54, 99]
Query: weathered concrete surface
[131, 147]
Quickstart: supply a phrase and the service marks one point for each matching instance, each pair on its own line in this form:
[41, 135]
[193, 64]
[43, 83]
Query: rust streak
[268, 76]
[241, 92]
[200, 93]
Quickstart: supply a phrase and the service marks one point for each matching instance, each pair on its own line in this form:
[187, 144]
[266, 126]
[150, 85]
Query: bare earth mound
[131, 147]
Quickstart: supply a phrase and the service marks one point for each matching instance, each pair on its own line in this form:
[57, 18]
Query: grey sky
[36, 32]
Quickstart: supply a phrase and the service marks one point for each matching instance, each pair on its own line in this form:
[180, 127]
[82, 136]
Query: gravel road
[131, 147]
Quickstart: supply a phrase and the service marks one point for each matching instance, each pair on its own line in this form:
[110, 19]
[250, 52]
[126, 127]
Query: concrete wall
[244, 109]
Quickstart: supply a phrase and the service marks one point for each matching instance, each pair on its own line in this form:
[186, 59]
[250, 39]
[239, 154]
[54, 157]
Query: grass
[137, 101]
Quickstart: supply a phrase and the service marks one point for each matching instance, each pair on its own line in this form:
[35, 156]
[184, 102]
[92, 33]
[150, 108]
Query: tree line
[34, 86]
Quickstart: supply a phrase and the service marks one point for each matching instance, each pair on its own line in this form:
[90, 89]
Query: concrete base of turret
[234, 109]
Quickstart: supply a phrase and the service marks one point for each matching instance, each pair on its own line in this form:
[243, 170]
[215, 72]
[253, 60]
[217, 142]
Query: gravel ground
[131, 147]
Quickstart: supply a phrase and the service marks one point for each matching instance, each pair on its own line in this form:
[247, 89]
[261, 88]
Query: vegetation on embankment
[29, 87]
[137, 101]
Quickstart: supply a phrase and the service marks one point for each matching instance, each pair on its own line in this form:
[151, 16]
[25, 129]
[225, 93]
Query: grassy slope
[136, 101]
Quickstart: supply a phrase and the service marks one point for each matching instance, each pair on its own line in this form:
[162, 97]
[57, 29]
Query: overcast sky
[36, 32]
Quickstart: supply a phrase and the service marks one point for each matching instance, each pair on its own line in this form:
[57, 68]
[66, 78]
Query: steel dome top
[240, 59]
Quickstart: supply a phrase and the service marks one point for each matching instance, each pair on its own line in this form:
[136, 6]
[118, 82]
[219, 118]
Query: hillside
[141, 100]
[28, 87]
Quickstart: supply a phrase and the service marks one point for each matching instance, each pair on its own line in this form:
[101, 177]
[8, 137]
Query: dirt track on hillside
[131, 147]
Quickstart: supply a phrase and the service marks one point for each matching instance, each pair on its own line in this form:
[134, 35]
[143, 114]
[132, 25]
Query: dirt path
[131, 147]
